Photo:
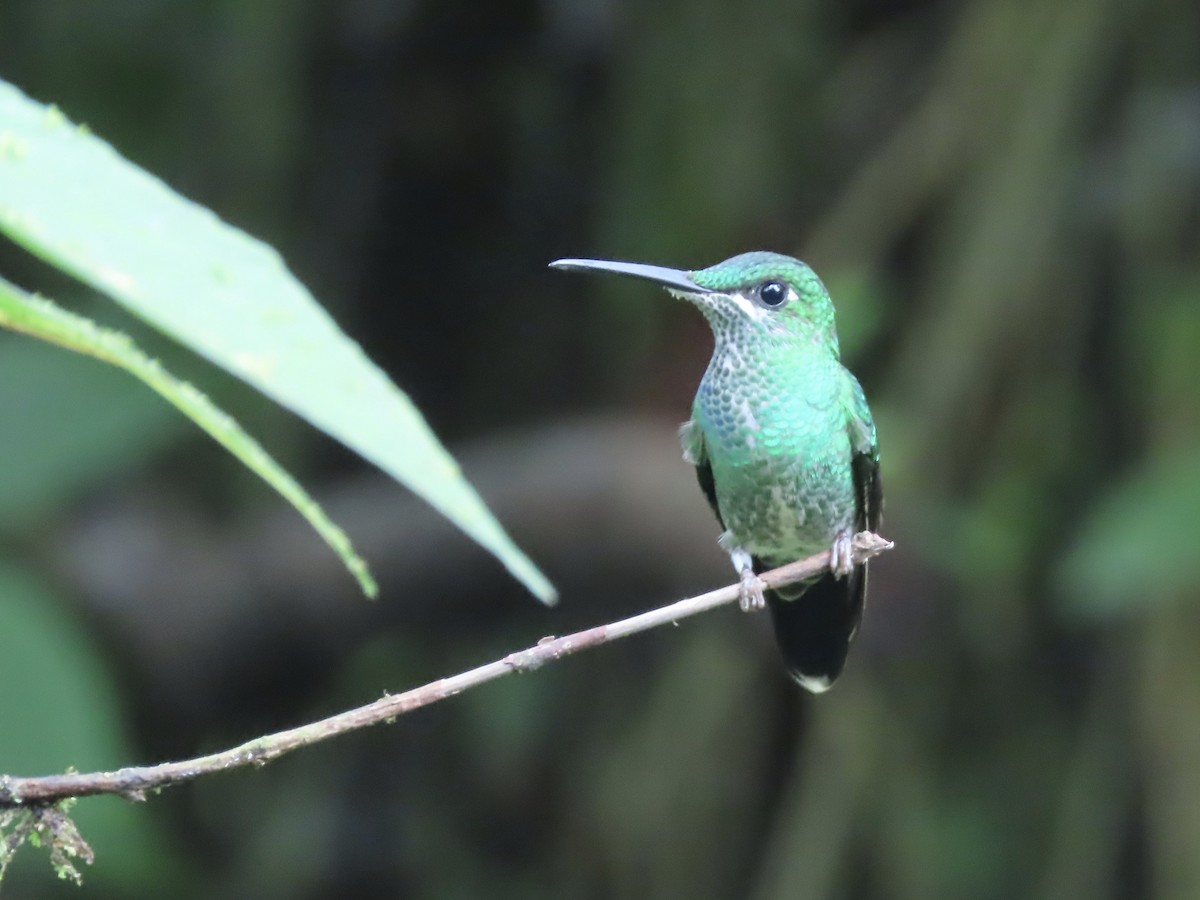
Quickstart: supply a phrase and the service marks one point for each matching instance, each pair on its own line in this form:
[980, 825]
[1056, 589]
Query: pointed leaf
[71, 199]
[41, 318]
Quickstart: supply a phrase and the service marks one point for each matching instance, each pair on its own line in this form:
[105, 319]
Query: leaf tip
[538, 584]
[362, 574]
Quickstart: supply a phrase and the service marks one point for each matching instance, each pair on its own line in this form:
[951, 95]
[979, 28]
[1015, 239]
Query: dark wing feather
[869, 488]
[696, 451]
[814, 630]
[704, 475]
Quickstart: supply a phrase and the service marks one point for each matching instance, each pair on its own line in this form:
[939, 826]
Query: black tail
[814, 630]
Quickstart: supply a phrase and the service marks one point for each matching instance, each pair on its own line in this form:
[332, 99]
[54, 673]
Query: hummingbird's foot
[841, 555]
[750, 592]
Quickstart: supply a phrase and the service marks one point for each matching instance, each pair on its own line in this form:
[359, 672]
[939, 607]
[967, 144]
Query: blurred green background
[1004, 198]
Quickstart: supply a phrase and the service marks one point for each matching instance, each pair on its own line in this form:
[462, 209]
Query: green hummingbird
[783, 443]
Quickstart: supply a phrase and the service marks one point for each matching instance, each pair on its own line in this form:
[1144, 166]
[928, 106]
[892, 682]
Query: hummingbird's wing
[816, 621]
[868, 487]
[695, 452]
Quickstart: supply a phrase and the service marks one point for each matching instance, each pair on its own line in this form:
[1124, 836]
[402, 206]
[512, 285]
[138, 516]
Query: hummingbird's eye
[773, 294]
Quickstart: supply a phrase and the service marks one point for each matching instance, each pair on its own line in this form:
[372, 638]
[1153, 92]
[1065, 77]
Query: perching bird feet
[750, 593]
[841, 555]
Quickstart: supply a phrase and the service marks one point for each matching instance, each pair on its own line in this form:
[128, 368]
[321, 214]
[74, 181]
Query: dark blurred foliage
[1002, 196]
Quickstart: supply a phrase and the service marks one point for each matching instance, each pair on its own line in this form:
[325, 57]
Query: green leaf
[1138, 546]
[80, 422]
[56, 700]
[71, 199]
[41, 318]
[60, 710]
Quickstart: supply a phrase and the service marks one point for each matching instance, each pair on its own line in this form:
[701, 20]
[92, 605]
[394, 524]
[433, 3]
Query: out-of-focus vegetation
[69, 199]
[1003, 198]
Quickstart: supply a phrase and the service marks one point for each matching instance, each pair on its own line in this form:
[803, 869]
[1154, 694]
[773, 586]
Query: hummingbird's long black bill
[670, 278]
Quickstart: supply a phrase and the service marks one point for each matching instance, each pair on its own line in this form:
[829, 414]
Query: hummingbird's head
[751, 296]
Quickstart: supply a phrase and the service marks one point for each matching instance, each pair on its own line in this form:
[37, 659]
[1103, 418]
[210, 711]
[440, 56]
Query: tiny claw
[750, 594]
[841, 555]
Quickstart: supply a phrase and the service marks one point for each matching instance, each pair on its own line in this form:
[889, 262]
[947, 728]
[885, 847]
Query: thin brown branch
[133, 782]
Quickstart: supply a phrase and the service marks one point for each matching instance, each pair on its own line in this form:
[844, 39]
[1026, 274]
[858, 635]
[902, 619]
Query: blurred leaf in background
[70, 423]
[49, 663]
[1139, 547]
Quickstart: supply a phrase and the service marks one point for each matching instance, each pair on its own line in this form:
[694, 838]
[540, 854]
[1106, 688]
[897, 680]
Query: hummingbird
[783, 443]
